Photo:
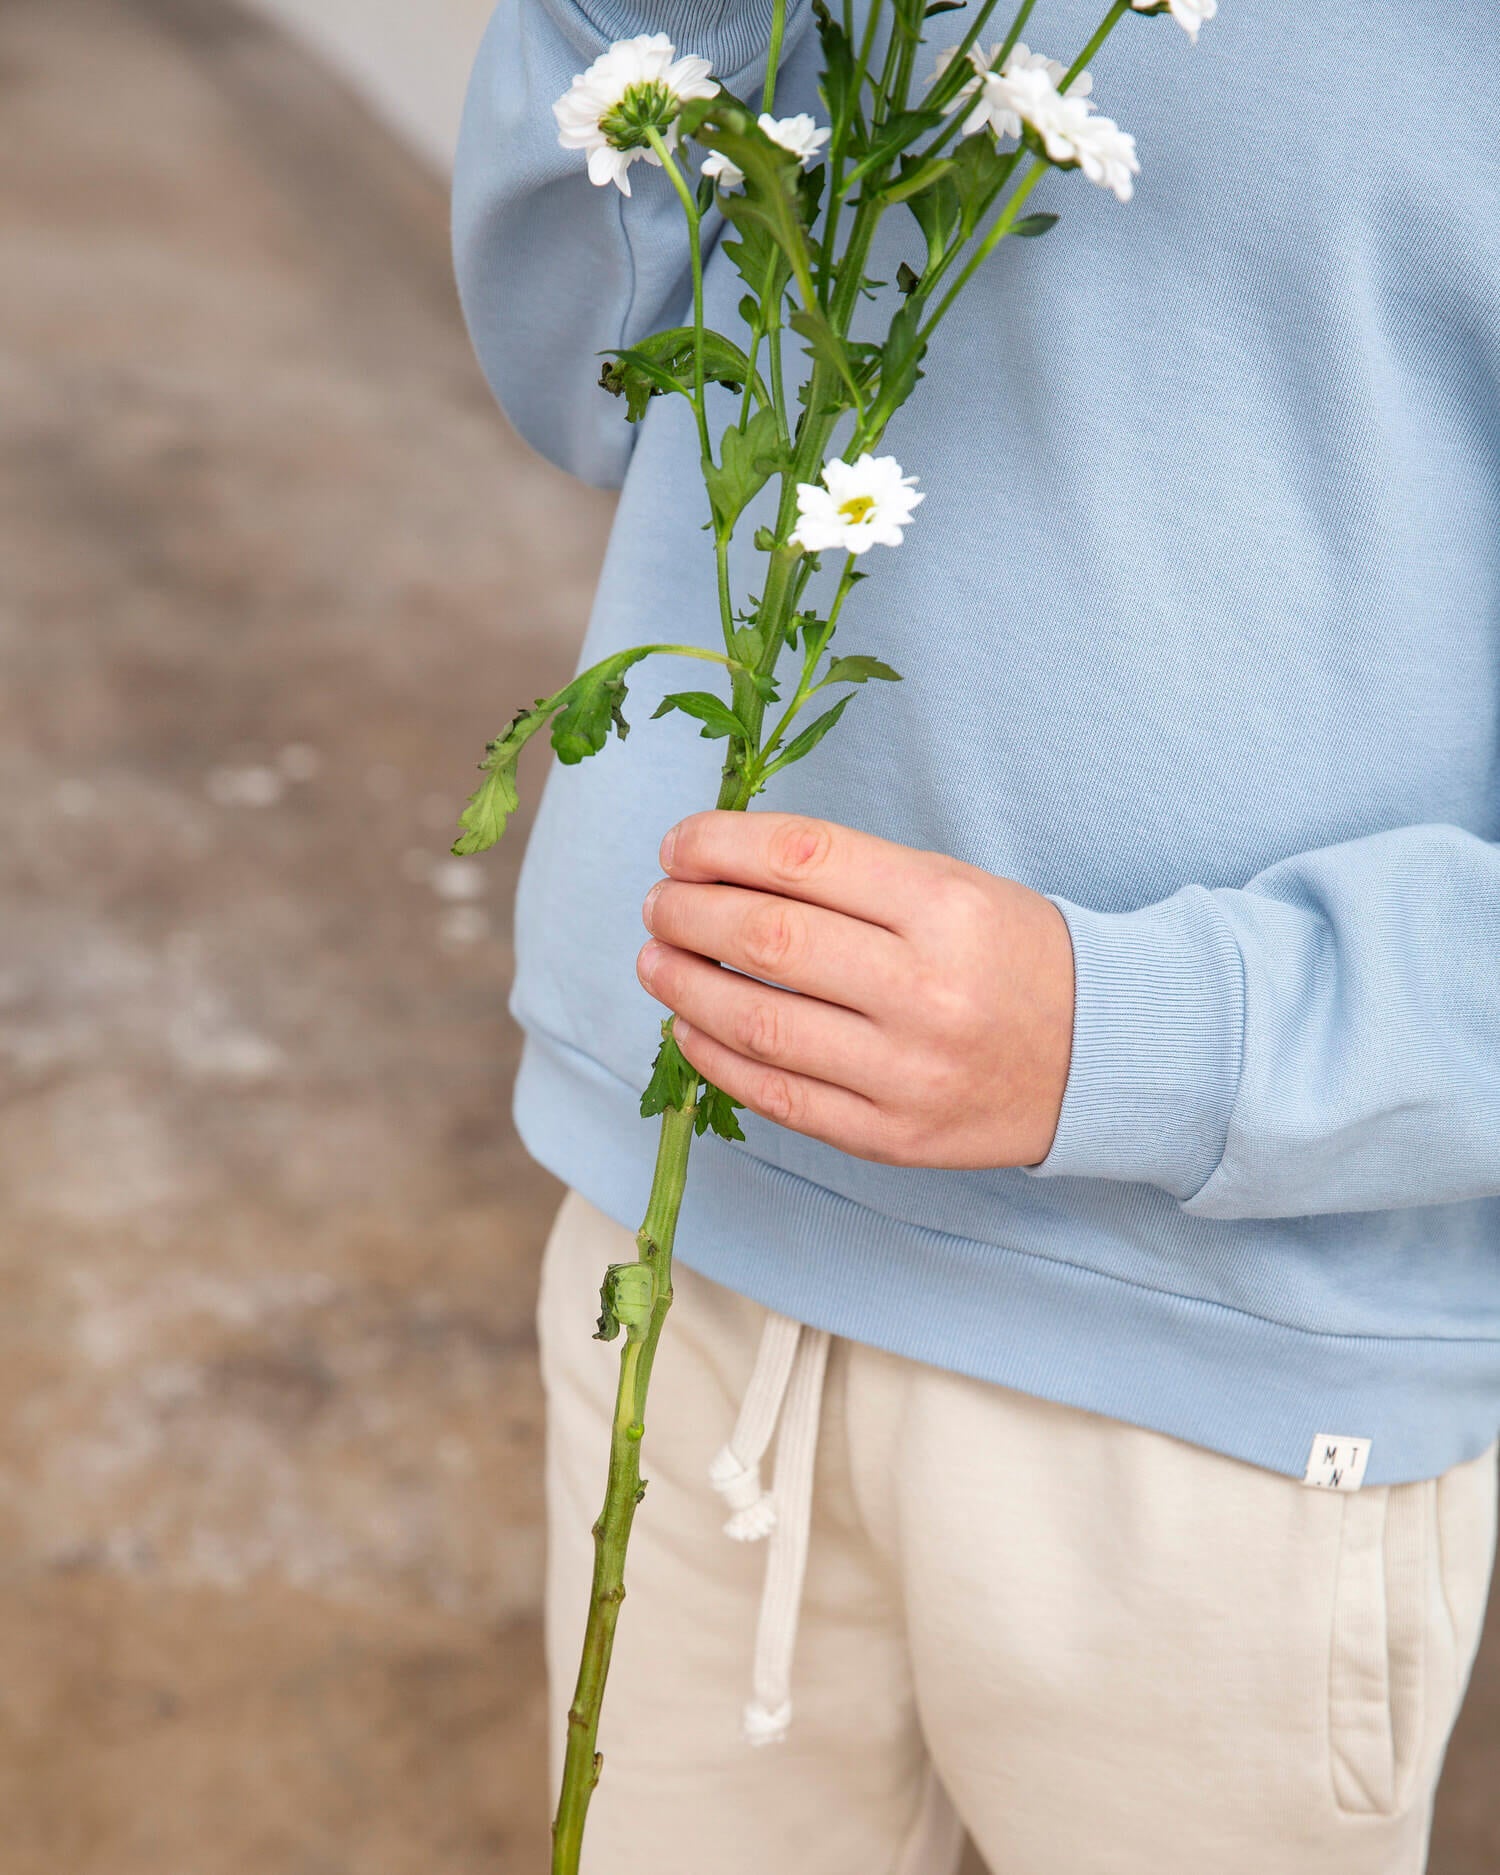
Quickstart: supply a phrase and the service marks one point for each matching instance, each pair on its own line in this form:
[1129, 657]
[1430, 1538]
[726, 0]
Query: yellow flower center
[857, 509]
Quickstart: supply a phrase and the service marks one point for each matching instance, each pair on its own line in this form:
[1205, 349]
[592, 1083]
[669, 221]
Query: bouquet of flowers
[958, 149]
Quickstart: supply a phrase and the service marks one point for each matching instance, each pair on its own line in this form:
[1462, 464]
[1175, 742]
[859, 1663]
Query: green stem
[726, 597]
[623, 1491]
[1105, 27]
[953, 81]
[805, 687]
[987, 246]
[695, 244]
[773, 57]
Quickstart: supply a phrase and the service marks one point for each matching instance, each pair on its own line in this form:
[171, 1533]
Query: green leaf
[825, 342]
[915, 178]
[896, 134]
[900, 359]
[857, 669]
[837, 79]
[908, 279]
[663, 364]
[772, 174]
[810, 737]
[937, 211]
[673, 1078]
[1029, 226]
[810, 192]
[638, 380]
[759, 262]
[944, 6]
[715, 715]
[717, 1110]
[978, 171]
[749, 458]
[495, 799]
[590, 709]
[626, 1297]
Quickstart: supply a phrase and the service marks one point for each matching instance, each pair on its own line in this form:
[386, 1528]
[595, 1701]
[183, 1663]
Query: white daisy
[799, 134]
[638, 85]
[1106, 155]
[1070, 132]
[717, 166]
[861, 504]
[1189, 14]
[993, 109]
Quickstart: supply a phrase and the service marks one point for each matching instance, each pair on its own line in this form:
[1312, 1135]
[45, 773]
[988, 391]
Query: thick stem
[773, 57]
[624, 1490]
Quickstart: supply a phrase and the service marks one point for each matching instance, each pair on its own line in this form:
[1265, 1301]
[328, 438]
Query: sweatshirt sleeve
[1326, 1038]
[552, 270]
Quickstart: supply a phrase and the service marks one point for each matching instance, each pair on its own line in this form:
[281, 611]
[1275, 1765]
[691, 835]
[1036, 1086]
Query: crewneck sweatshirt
[1200, 631]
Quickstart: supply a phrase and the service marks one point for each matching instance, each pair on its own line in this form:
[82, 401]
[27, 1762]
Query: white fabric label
[1337, 1462]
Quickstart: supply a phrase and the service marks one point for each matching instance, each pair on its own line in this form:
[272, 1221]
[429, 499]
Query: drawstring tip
[755, 1521]
[764, 1726]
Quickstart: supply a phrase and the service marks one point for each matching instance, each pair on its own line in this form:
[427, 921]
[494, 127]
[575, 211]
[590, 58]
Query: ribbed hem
[1214, 1376]
[732, 34]
[1158, 1040]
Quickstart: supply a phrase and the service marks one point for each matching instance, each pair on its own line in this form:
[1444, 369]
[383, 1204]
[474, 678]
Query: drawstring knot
[740, 1487]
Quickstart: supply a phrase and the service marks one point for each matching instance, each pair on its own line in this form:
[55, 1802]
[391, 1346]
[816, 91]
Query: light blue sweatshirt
[1200, 627]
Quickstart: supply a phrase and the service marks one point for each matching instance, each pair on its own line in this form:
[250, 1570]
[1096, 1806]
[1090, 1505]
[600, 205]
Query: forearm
[1325, 1039]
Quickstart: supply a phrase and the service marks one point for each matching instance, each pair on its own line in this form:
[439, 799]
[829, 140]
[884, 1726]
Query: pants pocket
[1382, 1633]
[1413, 1561]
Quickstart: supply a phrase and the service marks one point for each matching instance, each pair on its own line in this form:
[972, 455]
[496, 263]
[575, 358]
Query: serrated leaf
[1030, 226]
[859, 669]
[749, 457]
[663, 364]
[493, 802]
[673, 1078]
[590, 707]
[715, 715]
[759, 262]
[810, 737]
[716, 1110]
[638, 380]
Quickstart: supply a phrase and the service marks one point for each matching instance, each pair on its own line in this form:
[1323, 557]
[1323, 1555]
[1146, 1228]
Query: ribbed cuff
[732, 34]
[1158, 1039]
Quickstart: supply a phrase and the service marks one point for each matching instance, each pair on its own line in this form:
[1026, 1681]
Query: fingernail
[645, 964]
[649, 902]
[681, 1031]
[668, 848]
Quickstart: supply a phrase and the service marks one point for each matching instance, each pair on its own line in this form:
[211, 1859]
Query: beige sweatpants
[1105, 1651]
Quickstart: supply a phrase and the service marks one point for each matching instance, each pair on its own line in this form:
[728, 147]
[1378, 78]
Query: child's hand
[934, 1020]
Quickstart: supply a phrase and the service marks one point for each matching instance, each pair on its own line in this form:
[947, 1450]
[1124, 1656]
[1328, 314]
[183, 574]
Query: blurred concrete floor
[271, 570]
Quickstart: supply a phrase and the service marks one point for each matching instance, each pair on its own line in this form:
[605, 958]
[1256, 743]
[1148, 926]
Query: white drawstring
[789, 1370]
